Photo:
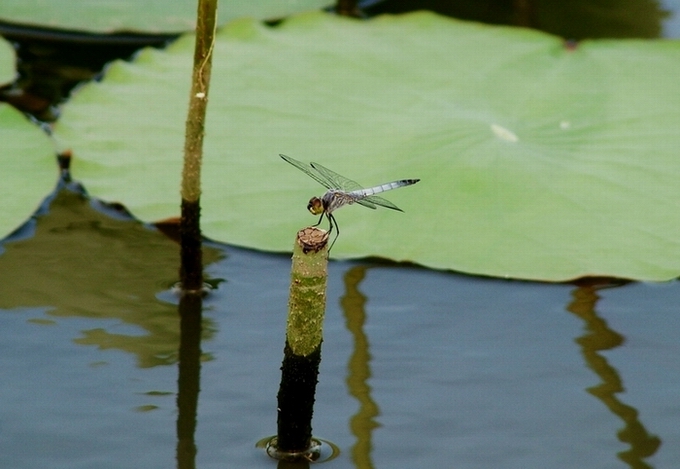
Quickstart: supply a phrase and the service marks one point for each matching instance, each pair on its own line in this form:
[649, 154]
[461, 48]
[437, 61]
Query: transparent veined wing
[349, 186]
[337, 181]
[310, 171]
[356, 189]
[328, 178]
[375, 200]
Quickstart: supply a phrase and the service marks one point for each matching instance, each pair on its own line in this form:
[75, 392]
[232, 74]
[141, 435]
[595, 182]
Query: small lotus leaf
[29, 168]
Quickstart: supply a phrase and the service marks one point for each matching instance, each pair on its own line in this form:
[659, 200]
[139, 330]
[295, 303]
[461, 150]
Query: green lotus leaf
[149, 16]
[537, 160]
[29, 168]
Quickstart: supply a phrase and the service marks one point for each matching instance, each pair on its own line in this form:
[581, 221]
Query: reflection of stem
[601, 337]
[359, 372]
[301, 464]
[189, 378]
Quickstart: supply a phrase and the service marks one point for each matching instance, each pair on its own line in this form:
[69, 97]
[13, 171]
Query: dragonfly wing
[375, 200]
[338, 182]
[332, 180]
[310, 171]
[366, 203]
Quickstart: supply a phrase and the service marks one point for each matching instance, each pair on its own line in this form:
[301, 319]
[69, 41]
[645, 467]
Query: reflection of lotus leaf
[537, 160]
[82, 262]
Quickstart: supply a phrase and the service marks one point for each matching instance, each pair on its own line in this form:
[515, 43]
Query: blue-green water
[419, 368]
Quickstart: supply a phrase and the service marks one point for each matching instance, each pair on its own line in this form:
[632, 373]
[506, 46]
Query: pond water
[419, 368]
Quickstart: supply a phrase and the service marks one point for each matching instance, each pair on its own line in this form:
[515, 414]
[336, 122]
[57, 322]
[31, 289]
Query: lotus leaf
[538, 159]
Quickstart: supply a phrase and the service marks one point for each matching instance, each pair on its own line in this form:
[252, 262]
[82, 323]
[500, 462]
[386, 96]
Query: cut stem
[304, 334]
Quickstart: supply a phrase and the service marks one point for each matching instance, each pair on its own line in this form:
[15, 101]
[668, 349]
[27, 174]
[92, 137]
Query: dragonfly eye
[315, 206]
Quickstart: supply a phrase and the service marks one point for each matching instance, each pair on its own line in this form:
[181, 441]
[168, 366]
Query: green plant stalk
[191, 269]
[307, 301]
[302, 352]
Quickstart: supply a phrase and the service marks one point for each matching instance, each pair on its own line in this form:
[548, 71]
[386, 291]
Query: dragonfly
[341, 192]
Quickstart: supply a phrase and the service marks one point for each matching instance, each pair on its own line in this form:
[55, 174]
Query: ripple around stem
[319, 450]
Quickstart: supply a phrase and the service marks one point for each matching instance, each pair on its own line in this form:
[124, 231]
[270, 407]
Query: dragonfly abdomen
[388, 186]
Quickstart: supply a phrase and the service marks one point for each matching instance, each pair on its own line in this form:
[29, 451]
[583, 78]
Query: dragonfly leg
[319, 222]
[331, 220]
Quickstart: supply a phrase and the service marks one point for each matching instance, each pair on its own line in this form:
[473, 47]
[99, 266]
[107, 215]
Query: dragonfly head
[315, 206]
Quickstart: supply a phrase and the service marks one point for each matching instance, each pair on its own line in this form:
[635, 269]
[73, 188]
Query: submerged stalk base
[319, 451]
[191, 254]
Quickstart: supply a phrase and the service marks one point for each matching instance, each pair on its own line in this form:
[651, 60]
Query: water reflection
[82, 258]
[363, 422]
[189, 378]
[600, 337]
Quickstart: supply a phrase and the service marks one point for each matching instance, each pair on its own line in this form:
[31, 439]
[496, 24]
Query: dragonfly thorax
[334, 199]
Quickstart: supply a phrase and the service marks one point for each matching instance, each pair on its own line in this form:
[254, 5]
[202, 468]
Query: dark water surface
[419, 368]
